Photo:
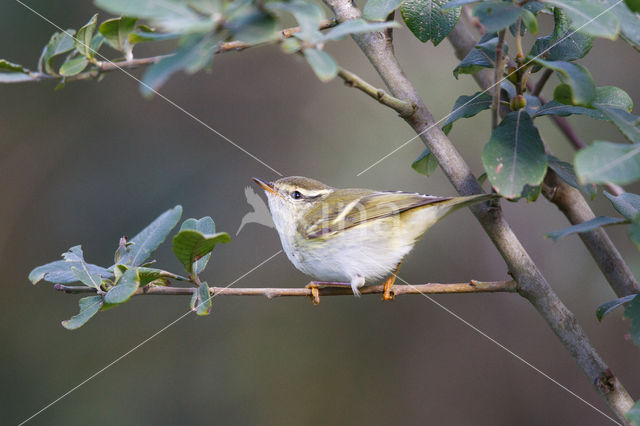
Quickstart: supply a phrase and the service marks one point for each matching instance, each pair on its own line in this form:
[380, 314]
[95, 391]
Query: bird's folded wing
[360, 206]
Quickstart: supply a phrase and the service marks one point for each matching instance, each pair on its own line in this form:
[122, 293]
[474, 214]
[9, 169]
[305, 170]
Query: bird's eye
[296, 195]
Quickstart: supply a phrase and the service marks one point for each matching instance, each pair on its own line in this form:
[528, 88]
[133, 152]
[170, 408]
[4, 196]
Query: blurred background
[95, 161]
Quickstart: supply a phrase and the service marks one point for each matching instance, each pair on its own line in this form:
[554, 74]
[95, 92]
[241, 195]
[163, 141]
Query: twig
[531, 283]
[495, 108]
[107, 66]
[405, 109]
[270, 293]
[541, 82]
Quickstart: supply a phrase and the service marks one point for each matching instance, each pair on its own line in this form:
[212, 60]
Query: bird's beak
[267, 186]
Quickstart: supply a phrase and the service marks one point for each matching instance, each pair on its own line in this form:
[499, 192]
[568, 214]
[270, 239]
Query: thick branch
[405, 109]
[270, 293]
[531, 283]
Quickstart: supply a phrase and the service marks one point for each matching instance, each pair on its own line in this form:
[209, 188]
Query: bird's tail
[446, 207]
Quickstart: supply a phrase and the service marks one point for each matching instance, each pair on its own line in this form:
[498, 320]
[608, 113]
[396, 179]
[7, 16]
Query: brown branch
[405, 109]
[535, 91]
[432, 288]
[531, 283]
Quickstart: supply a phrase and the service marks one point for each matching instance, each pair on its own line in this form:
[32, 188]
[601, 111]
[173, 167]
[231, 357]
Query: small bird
[346, 237]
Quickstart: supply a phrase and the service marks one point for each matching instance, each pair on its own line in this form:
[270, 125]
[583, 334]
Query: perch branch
[432, 288]
[405, 109]
[531, 283]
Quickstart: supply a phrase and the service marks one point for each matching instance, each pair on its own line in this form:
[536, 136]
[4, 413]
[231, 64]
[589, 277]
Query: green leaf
[496, 16]
[634, 231]
[195, 52]
[578, 84]
[256, 28]
[587, 226]
[613, 97]
[73, 66]
[590, 17]
[529, 20]
[482, 56]
[308, 14]
[634, 413]
[190, 245]
[564, 44]
[606, 96]
[604, 162]
[171, 15]
[13, 73]
[356, 26]
[514, 156]
[61, 271]
[201, 302]
[125, 287]
[457, 3]
[89, 306]
[426, 163]
[148, 275]
[427, 20]
[629, 22]
[633, 5]
[117, 32]
[467, 106]
[531, 8]
[84, 38]
[86, 277]
[628, 124]
[322, 64]
[566, 172]
[632, 311]
[205, 226]
[627, 204]
[609, 306]
[378, 10]
[58, 44]
[147, 240]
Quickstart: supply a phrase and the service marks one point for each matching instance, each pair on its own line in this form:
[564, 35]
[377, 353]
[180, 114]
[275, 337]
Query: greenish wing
[349, 208]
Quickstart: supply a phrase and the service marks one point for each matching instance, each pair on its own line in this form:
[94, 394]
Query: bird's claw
[315, 293]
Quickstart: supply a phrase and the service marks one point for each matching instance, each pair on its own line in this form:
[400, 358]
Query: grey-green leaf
[378, 10]
[356, 26]
[73, 66]
[125, 287]
[629, 22]
[587, 226]
[89, 306]
[482, 56]
[61, 272]
[564, 44]
[590, 17]
[308, 14]
[627, 204]
[632, 311]
[322, 64]
[468, 106]
[202, 302]
[427, 20]
[567, 173]
[628, 124]
[206, 226]
[426, 163]
[58, 44]
[84, 38]
[13, 73]
[147, 240]
[609, 306]
[194, 53]
[634, 413]
[576, 78]
[604, 162]
[514, 156]
[496, 16]
[190, 245]
[116, 32]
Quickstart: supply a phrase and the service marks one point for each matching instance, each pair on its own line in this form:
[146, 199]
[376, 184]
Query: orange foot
[388, 295]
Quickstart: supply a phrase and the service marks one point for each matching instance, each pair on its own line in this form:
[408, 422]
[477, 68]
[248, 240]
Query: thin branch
[405, 109]
[541, 82]
[497, 75]
[107, 66]
[531, 283]
[270, 293]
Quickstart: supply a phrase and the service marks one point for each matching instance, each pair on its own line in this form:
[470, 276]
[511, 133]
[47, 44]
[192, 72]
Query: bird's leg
[314, 286]
[389, 283]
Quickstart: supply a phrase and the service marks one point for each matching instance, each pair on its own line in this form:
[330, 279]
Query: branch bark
[270, 293]
[531, 283]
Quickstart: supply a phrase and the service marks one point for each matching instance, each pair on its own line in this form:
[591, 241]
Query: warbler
[346, 237]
